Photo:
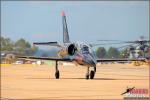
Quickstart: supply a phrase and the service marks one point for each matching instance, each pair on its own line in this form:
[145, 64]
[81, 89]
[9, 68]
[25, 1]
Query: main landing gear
[91, 74]
[57, 71]
[88, 75]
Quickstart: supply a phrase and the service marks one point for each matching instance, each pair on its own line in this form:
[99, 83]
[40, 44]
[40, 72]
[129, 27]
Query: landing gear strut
[57, 71]
[91, 74]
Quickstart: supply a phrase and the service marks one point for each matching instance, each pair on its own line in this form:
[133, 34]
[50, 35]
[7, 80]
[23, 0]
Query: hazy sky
[87, 20]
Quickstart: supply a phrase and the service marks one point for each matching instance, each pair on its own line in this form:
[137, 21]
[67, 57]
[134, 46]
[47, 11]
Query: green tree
[101, 52]
[21, 46]
[6, 44]
[24, 48]
[113, 53]
[32, 50]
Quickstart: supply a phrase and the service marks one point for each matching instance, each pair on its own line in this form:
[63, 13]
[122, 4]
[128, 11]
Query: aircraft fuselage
[84, 55]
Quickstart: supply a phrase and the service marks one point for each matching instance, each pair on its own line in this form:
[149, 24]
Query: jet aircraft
[128, 90]
[77, 52]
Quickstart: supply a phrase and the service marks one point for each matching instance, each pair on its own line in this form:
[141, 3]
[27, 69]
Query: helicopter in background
[132, 49]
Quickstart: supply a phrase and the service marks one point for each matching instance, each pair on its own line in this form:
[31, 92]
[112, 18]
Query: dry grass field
[38, 81]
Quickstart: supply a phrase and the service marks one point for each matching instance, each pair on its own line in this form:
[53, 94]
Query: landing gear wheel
[95, 69]
[57, 75]
[87, 76]
[92, 74]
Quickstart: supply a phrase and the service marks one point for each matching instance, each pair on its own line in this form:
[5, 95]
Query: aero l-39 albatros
[79, 53]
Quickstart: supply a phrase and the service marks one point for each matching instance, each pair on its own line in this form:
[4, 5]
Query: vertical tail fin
[65, 29]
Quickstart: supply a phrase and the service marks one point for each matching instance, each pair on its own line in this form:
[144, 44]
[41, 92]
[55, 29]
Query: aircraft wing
[119, 60]
[44, 58]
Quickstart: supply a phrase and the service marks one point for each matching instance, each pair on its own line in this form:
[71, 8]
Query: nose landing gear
[91, 74]
[87, 74]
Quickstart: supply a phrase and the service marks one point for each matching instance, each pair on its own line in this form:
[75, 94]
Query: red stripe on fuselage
[79, 58]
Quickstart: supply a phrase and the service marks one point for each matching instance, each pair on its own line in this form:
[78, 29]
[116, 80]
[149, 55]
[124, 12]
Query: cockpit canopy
[85, 49]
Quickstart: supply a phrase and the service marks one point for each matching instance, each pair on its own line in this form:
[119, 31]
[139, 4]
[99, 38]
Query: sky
[88, 21]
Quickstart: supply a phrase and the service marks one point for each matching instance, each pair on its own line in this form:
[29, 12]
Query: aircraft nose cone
[89, 60]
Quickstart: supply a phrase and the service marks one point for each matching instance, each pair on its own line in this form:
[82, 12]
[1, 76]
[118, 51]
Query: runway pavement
[38, 81]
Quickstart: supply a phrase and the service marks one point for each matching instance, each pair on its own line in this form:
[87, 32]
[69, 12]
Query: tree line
[112, 52]
[21, 46]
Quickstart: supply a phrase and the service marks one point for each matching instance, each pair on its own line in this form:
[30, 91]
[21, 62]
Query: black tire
[57, 75]
[95, 69]
[92, 74]
[87, 76]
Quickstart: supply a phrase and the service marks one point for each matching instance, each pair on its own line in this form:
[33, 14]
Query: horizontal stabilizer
[120, 60]
[47, 43]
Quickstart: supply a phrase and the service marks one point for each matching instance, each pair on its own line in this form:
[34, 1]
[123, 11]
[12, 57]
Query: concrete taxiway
[38, 81]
